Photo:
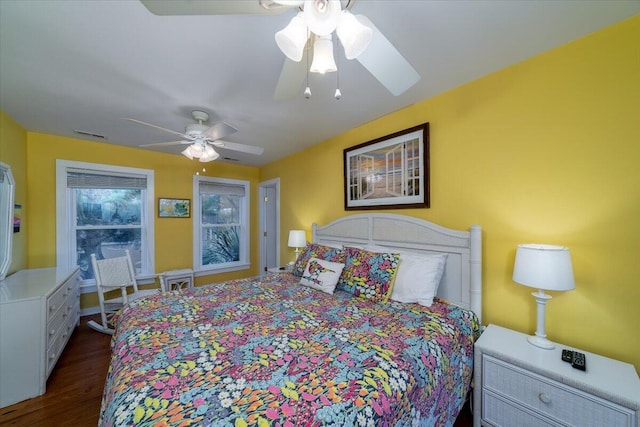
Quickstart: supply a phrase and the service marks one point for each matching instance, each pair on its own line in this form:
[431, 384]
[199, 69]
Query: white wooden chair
[114, 274]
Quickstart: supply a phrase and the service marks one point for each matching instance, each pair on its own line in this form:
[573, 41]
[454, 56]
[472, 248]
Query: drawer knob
[544, 398]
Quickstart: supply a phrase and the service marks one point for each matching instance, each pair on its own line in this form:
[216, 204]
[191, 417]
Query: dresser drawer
[551, 399]
[56, 346]
[54, 350]
[500, 412]
[58, 298]
[67, 313]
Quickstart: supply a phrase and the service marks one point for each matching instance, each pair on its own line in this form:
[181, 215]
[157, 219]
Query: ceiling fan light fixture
[323, 61]
[209, 154]
[289, 3]
[355, 36]
[292, 39]
[188, 153]
[321, 16]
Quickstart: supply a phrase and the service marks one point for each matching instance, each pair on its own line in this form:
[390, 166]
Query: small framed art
[391, 172]
[174, 208]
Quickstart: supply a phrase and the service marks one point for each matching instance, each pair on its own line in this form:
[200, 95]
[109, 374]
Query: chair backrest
[113, 273]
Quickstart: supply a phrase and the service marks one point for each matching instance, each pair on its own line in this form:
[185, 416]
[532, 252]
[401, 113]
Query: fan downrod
[200, 116]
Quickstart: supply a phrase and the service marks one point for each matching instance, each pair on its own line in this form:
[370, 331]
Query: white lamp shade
[297, 239]
[292, 39]
[323, 61]
[355, 37]
[544, 267]
[322, 16]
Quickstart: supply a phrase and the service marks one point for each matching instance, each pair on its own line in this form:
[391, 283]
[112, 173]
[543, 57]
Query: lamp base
[541, 342]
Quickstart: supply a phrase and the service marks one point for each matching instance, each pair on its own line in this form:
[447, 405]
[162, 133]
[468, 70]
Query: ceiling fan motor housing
[194, 129]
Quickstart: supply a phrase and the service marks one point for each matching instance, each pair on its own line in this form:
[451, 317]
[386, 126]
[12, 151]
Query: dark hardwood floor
[74, 389]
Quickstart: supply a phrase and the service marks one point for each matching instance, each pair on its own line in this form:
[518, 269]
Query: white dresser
[518, 384]
[39, 310]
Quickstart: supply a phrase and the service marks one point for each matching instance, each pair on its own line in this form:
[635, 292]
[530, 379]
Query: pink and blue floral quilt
[269, 352]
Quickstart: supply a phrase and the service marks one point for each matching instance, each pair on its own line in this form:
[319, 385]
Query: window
[104, 210]
[221, 224]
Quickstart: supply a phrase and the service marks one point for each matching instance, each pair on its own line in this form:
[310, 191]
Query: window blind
[77, 179]
[207, 187]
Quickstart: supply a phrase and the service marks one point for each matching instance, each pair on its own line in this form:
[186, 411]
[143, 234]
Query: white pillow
[418, 276]
[321, 275]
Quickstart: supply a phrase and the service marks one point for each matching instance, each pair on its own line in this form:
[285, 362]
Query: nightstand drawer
[500, 412]
[549, 398]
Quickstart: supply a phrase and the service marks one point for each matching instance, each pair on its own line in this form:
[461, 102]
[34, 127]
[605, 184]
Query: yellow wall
[173, 178]
[545, 151]
[13, 141]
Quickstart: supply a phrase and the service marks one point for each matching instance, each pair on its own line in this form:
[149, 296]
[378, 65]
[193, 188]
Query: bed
[269, 351]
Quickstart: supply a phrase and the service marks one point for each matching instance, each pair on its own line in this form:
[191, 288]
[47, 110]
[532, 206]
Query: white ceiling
[85, 65]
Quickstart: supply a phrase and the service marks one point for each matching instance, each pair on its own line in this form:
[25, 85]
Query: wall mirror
[7, 188]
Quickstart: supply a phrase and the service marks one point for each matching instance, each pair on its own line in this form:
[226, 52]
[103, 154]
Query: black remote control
[567, 355]
[579, 361]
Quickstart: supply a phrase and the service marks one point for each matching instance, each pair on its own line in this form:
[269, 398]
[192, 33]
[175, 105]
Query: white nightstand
[518, 384]
[278, 269]
[176, 279]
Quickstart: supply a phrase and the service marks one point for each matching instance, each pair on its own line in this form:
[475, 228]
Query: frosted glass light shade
[188, 152]
[544, 267]
[322, 16]
[297, 239]
[355, 37]
[292, 39]
[209, 154]
[323, 61]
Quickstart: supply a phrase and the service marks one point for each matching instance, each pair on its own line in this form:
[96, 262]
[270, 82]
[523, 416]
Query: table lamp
[545, 267]
[297, 240]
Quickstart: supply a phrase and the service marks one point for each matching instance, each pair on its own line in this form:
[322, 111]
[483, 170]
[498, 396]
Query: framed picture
[174, 208]
[391, 172]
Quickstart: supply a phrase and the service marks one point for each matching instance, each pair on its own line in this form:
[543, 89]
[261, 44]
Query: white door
[269, 224]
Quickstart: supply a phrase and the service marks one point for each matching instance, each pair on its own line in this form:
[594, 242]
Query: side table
[176, 279]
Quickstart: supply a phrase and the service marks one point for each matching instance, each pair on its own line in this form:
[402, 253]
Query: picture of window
[389, 172]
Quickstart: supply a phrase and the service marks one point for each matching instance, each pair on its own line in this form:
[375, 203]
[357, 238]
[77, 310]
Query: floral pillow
[368, 275]
[321, 275]
[314, 250]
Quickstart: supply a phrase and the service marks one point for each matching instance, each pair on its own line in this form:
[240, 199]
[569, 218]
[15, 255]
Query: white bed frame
[462, 280]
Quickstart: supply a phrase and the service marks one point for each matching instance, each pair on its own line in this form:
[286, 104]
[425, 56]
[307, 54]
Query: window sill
[209, 271]
[88, 287]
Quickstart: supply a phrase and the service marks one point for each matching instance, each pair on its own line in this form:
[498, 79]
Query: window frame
[245, 248]
[65, 198]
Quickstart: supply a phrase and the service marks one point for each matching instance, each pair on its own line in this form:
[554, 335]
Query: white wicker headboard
[462, 280]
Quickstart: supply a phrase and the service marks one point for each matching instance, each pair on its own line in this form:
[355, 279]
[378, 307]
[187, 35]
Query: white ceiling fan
[202, 138]
[311, 27]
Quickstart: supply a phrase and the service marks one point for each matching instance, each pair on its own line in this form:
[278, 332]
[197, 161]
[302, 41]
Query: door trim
[275, 184]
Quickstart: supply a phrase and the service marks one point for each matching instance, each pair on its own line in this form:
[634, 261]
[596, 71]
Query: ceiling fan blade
[218, 7]
[291, 79]
[165, 144]
[385, 63]
[160, 128]
[243, 148]
[219, 130]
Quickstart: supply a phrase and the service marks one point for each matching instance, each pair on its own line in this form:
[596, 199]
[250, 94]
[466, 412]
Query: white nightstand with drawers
[518, 384]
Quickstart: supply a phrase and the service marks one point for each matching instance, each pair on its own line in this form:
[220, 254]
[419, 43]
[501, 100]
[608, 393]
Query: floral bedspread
[270, 352]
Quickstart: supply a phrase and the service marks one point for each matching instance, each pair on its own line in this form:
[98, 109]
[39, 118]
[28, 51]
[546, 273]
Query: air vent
[91, 134]
[229, 158]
